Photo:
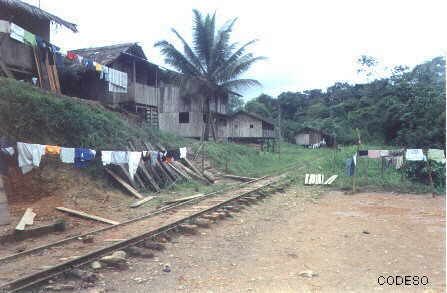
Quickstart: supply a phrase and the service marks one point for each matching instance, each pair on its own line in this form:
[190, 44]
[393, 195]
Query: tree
[211, 67]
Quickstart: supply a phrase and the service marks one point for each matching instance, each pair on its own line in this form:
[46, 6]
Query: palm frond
[238, 67]
[192, 57]
[176, 59]
[233, 57]
[221, 48]
[240, 84]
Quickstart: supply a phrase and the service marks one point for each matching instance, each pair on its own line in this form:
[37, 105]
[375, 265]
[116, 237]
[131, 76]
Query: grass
[31, 115]
[246, 161]
[369, 173]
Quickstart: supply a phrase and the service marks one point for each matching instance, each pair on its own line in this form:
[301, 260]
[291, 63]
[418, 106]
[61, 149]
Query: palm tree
[211, 66]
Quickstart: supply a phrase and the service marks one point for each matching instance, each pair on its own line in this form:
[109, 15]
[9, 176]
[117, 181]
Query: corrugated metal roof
[19, 7]
[107, 54]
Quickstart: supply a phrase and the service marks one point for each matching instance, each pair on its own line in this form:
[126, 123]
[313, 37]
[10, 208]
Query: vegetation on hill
[404, 109]
[32, 115]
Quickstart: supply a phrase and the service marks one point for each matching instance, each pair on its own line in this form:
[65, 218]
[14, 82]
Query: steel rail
[54, 271]
[151, 214]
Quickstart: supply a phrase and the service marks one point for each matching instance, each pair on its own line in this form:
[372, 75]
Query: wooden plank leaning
[145, 171]
[87, 216]
[166, 172]
[163, 174]
[129, 188]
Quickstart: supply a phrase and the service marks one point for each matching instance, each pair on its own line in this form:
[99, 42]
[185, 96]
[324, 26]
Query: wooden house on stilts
[21, 23]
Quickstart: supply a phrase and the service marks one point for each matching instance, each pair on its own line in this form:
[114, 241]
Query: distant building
[17, 58]
[310, 136]
[148, 93]
[142, 91]
[245, 126]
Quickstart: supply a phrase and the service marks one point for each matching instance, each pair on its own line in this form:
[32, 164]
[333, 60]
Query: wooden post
[430, 175]
[402, 168]
[357, 162]
[382, 167]
[4, 211]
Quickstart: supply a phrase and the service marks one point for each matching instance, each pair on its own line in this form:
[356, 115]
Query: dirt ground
[349, 241]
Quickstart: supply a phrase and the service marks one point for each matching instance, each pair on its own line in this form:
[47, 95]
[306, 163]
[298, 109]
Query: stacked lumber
[318, 179]
[153, 177]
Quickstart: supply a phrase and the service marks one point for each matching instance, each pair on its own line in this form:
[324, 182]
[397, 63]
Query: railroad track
[34, 266]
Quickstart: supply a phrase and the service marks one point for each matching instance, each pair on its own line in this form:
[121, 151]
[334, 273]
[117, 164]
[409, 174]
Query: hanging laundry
[52, 150]
[114, 157]
[182, 153]
[40, 42]
[350, 166]
[17, 33]
[397, 152]
[414, 155]
[6, 146]
[29, 155]
[384, 153]
[98, 67]
[154, 158]
[83, 157]
[388, 162]
[117, 81]
[8, 151]
[373, 154]
[362, 153]
[59, 60]
[72, 56]
[134, 161]
[30, 38]
[174, 154]
[67, 155]
[399, 161]
[436, 155]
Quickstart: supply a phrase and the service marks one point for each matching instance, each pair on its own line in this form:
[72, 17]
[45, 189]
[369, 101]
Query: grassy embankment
[31, 115]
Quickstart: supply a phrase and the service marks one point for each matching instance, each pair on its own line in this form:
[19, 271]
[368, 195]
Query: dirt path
[349, 241]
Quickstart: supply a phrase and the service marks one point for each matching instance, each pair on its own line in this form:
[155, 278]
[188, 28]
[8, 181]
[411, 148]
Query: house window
[183, 117]
[251, 125]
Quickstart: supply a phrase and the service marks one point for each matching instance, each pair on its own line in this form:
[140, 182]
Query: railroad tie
[189, 229]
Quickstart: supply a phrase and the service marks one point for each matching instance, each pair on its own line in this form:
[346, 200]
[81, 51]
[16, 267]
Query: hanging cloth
[17, 33]
[52, 150]
[182, 153]
[71, 56]
[83, 157]
[67, 155]
[414, 155]
[30, 38]
[362, 153]
[373, 154]
[29, 155]
[436, 155]
[350, 167]
[133, 162]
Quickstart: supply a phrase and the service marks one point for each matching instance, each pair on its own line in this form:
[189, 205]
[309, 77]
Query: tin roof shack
[309, 136]
[250, 127]
[142, 93]
[183, 114]
[18, 57]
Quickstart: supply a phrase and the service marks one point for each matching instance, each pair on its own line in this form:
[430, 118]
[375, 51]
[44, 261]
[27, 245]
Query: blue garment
[350, 167]
[83, 157]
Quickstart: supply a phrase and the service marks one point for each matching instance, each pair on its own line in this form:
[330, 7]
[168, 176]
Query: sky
[309, 44]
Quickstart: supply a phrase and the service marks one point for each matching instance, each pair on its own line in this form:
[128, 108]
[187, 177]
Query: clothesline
[117, 79]
[29, 156]
[395, 157]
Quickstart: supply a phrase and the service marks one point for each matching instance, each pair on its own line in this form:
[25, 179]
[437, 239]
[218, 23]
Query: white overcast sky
[309, 44]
